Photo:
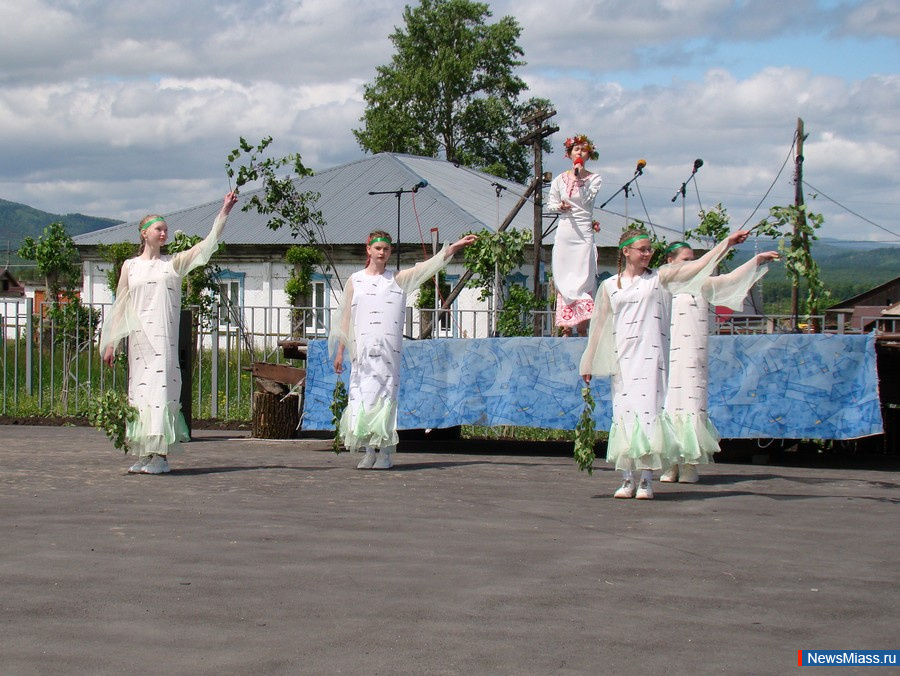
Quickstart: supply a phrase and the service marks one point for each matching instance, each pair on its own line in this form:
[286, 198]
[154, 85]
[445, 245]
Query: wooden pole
[801, 220]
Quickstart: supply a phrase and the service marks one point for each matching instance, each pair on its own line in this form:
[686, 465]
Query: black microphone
[697, 164]
[421, 184]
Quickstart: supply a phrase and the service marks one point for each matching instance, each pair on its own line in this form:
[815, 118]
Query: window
[231, 287]
[316, 316]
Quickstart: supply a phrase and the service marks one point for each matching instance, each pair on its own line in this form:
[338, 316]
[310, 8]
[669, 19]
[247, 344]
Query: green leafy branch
[584, 433]
[338, 405]
[111, 413]
[796, 228]
[495, 253]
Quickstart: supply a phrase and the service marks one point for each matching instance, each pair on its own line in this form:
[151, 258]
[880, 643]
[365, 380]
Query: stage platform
[761, 386]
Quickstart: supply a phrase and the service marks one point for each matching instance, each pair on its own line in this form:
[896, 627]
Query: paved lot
[258, 557]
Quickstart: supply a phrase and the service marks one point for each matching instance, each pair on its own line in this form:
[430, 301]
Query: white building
[456, 200]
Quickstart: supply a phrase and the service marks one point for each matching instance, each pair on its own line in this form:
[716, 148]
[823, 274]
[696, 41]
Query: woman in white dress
[574, 258]
[686, 396]
[369, 326]
[146, 311]
[629, 340]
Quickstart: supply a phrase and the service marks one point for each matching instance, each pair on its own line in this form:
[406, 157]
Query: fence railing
[51, 363]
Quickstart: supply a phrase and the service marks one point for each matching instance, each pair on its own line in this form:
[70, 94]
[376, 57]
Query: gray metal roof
[457, 200]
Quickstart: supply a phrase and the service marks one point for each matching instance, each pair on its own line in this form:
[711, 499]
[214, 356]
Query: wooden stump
[275, 416]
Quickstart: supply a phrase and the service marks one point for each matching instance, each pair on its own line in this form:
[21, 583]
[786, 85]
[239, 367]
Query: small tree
[281, 201]
[299, 285]
[796, 227]
[490, 259]
[74, 325]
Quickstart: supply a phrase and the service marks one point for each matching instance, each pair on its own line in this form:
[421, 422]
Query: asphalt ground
[278, 557]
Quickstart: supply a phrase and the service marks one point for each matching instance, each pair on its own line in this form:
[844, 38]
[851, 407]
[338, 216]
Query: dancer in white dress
[686, 396]
[629, 340]
[147, 311]
[369, 326]
[574, 258]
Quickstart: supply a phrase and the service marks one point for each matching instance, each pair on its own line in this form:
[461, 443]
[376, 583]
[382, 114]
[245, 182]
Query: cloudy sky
[119, 108]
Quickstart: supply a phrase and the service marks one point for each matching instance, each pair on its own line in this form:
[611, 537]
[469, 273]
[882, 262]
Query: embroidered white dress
[686, 397]
[574, 257]
[629, 340]
[369, 324]
[146, 311]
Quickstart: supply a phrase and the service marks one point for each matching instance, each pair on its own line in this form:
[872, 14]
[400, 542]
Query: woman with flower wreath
[574, 261]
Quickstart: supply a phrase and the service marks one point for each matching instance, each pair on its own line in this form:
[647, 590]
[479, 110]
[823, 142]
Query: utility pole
[537, 133]
[801, 220]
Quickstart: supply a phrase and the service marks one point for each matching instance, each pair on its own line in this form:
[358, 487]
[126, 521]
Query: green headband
[676, 245]
[632, 240]
[151, 222]
[379, 239]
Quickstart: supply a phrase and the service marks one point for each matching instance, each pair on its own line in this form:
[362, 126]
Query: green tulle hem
[631, 448]
[376, 428]
[697, 437]
[143, 435]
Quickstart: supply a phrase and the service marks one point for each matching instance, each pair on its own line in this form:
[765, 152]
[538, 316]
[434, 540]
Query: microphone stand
[683, 192]
[627, 190]
[397, 193]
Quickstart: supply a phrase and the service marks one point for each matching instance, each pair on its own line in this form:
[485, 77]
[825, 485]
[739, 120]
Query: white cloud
[120, 108]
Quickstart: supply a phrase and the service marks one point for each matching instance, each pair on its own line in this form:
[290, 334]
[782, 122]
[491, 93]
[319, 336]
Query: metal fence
[51, 363]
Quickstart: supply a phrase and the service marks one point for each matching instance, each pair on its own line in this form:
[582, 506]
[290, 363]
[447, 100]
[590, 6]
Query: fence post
[29, 348]
[214, 364]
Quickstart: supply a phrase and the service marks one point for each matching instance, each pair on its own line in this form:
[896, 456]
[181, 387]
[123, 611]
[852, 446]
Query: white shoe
[157, 465]
[670, 476]
[139, 466]
[368, 460]
[626, 490]
[644, 491]
[688, 474]
[384, 460]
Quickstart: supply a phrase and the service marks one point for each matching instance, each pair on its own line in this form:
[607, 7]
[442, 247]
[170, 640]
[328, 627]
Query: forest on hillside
[846, 272]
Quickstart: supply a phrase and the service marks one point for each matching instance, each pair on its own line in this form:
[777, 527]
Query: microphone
[421, 184]
[577, 165]
[697, 164]
[640, 167]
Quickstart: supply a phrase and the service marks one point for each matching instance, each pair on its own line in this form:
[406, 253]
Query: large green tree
[451, 90]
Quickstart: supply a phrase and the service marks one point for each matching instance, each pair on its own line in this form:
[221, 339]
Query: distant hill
[846, 268]
[18, 221]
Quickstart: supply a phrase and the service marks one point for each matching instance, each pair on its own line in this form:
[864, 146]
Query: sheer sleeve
[730, 290]
[341, 333]
[200, 253]
[121, 319]
[412, 278]
[689, 276]
[599, 358]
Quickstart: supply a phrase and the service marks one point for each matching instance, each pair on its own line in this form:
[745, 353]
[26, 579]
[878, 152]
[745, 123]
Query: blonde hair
[146, 219]
[626, 235]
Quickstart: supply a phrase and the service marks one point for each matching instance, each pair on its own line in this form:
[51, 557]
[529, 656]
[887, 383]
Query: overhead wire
[848, 210]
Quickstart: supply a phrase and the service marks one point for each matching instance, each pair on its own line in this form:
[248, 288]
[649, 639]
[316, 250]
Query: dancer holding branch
[146, 311]
[369, 327]
[629, 340]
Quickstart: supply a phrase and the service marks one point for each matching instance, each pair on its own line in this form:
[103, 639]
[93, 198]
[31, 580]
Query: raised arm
[200, 253]
[689, 276]
[730, 290]
[412, 278]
